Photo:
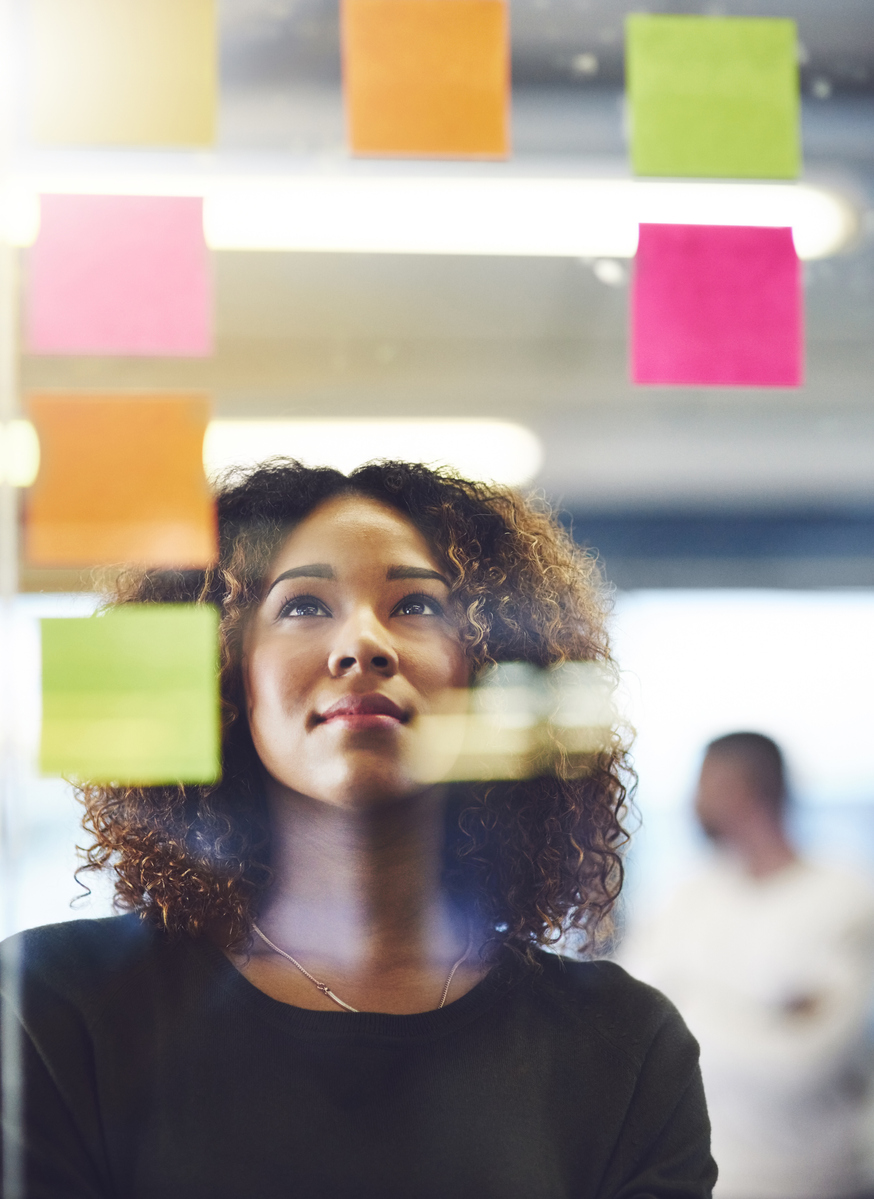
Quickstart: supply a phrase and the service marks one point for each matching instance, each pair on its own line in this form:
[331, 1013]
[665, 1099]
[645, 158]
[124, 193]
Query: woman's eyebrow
[316, 570]
[415, 572]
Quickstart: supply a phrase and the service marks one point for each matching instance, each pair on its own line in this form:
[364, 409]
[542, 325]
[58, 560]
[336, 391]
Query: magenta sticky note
[717, 304]
[119, 275]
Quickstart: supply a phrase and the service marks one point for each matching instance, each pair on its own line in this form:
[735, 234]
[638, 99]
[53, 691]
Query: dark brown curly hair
[534, 859]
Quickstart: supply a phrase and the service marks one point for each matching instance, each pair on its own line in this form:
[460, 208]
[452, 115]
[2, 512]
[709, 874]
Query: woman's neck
[360, 889]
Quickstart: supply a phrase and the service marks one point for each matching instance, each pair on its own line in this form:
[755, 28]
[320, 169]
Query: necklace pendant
[340, 1002]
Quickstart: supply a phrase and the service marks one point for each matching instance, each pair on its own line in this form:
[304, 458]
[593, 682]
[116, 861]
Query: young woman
[332, 979]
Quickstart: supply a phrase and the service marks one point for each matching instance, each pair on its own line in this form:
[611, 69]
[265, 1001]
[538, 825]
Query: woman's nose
[363, 645]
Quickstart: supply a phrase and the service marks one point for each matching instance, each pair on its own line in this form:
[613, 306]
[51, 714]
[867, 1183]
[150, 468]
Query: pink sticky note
[119, 275]
[717, 304]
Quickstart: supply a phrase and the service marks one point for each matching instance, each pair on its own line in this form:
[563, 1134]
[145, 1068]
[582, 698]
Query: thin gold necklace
[326, 990]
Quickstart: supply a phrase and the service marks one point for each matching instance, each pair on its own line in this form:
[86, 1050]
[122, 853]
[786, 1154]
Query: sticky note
[119, 275]
[131, 695]
[713, 96]
[427, 78]
[120, 480]
[717, 304]
[124, 72]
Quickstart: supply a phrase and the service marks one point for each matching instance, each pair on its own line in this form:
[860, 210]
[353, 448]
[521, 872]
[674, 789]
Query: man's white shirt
[774, 977]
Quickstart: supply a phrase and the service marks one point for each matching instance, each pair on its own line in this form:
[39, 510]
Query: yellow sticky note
[124, 72]
[131, 696]
[121, 480]
[428, 78]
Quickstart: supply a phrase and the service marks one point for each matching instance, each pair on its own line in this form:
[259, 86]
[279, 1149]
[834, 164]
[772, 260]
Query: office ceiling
[270, 41]
[539, 340]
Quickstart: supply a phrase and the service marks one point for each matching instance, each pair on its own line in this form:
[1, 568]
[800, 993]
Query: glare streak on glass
[522, 722]
[12, 1180]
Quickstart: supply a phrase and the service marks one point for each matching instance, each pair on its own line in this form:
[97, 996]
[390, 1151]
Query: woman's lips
[364, 712]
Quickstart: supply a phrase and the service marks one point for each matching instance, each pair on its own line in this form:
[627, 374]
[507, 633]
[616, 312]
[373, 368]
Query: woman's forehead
[354, 526]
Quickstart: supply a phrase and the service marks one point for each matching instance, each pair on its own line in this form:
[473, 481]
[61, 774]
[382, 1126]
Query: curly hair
[536, 858]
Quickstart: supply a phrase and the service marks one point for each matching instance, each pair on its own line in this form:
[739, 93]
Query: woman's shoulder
[74, 944]
[611, 1004]
[82, 961]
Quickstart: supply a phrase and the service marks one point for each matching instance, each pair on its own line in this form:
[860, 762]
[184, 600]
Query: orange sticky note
[121, 480]
[428, 78]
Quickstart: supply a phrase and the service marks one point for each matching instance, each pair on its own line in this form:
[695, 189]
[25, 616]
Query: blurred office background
[736, 524]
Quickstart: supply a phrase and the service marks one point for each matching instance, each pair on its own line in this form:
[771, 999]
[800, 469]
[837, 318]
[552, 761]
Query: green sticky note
[713, 96]
[131, 696]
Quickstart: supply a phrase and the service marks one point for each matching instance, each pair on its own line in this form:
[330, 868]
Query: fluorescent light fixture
[19, 213]
[559, 217]
[492, 450]
[453, 213]
[19, 453]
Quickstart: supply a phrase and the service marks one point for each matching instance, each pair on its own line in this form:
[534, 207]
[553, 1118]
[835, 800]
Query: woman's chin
[358, 787]
[372, 792]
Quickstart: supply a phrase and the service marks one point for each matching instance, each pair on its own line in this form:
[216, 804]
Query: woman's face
[353, 643]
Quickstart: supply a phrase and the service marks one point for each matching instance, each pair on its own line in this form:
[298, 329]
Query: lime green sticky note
[131, 695]
[713, 96]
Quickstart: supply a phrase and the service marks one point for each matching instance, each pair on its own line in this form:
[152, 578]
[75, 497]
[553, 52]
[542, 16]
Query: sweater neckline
[238, 991]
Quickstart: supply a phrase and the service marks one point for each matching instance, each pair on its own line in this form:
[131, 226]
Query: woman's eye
[419, 605]
[303, 605]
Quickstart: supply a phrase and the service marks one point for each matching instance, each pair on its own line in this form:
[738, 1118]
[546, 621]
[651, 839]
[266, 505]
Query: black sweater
[154, 1070]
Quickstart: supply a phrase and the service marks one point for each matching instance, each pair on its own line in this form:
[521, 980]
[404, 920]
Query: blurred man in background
[770, 959]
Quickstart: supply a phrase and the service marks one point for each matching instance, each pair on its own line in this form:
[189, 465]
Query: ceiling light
[421, 211]
[491, 450]
[559, 217]
[19, 453]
